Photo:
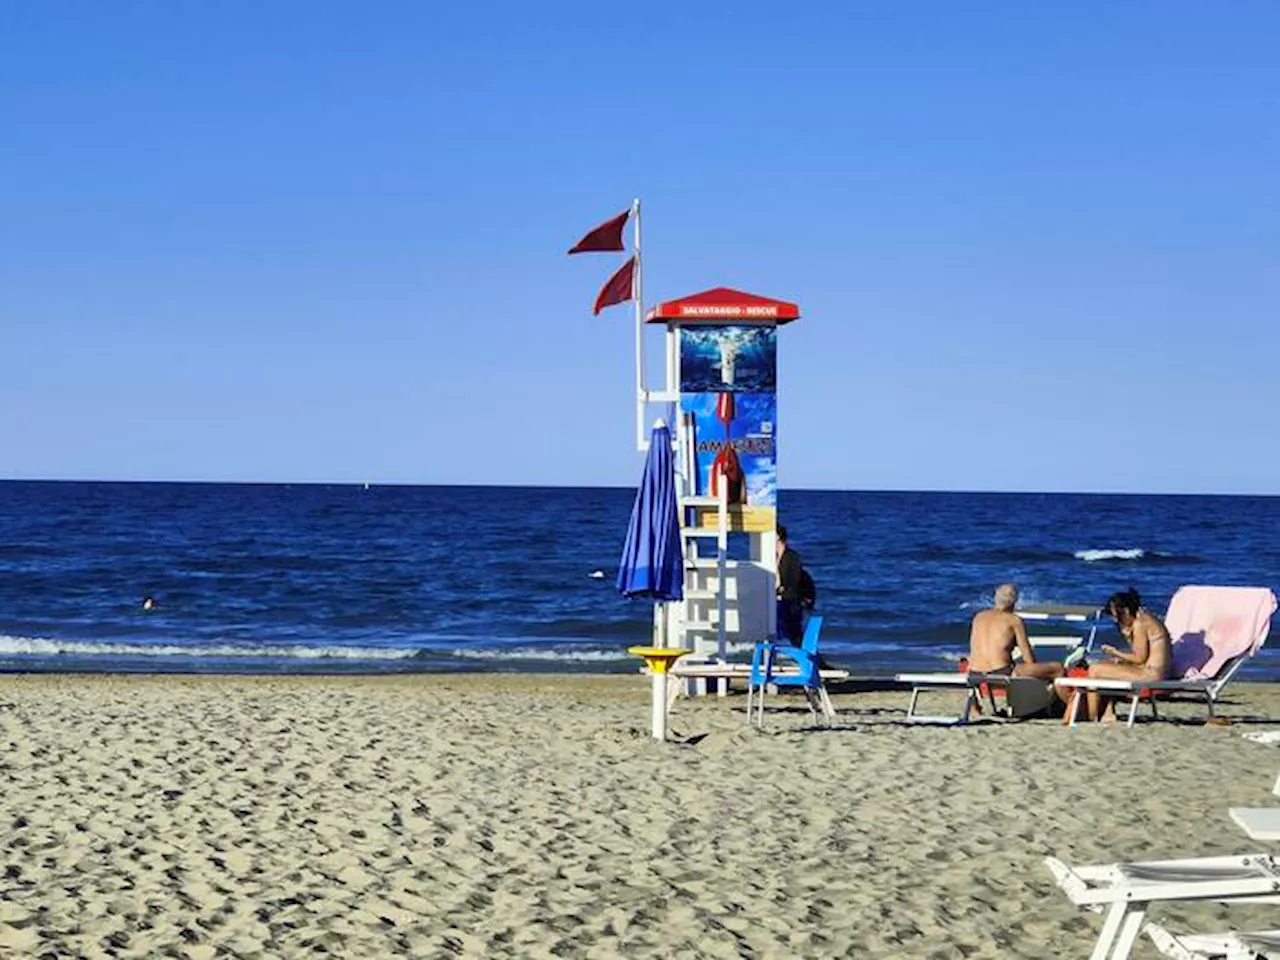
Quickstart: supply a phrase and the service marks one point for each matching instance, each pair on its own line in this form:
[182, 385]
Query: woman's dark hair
[1127, 600]
[782, 533]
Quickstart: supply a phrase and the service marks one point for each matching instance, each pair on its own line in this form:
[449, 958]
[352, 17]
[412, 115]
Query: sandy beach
[529, 816]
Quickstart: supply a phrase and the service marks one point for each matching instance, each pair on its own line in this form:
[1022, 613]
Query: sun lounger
[1215, 631]
[1260, 823]
[709, 668]
[1262, 736]
[1124, 891]
[725, 670]
[1036, 694]
[1080, 616]
[970, 683]
[1219, 946]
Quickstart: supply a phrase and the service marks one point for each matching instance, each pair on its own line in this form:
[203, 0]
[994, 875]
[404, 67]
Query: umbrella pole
[659, 680]
[659, 706]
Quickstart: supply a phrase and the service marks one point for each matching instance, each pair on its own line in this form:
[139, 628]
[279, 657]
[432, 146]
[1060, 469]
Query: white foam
[43, 647]
[1120, 553]
[533, 653]
[39, 646]
[564, 654]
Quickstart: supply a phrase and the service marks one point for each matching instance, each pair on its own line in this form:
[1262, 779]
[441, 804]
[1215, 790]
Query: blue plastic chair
[801, 670]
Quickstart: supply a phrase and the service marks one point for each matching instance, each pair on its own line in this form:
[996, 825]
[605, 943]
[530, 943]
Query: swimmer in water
[149, 603]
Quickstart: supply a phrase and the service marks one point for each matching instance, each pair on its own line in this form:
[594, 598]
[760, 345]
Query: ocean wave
[39, 646]
[1119, 553]
[561, 655]
[44, 647]
[1135, 554]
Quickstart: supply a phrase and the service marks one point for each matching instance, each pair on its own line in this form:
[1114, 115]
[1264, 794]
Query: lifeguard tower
[721, 394]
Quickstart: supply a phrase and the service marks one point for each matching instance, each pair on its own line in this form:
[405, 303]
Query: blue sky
[1037, 246]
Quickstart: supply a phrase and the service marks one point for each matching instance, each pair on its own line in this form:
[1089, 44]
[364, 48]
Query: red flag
[607, 236]
[617, 289]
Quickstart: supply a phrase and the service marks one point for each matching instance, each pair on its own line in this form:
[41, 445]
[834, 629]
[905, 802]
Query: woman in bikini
[1150, 656]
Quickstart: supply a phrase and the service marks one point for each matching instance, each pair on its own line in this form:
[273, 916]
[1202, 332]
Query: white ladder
[705, 608]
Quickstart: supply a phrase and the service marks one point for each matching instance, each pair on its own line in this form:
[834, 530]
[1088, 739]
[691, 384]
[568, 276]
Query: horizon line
[570, 486]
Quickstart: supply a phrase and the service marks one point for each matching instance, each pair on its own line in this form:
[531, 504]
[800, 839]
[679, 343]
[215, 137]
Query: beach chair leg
[1133, 710]
[751, 688]
[828, 708]
[970, 702]
[911, 706]
[1073, 708]
[1116, 917]
[1155, 713]
[1129, 931]
[1208, 702]
[811, 697]
[673, 691]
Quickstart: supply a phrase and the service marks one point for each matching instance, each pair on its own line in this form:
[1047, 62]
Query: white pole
[637, 290]
[658, 696]
[659, 706]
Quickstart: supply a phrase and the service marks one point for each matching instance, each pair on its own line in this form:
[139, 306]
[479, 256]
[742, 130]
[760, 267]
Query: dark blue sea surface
[277, 578]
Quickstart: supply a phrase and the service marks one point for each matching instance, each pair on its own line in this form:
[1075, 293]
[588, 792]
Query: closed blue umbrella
[652, 562]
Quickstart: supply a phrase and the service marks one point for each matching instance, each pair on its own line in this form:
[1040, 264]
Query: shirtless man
[994, 635]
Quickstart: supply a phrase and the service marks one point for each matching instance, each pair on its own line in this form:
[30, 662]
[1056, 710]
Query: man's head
[782, 539]
[1006, 597]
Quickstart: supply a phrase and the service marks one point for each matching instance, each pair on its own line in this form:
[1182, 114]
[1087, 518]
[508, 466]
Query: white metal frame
[1124, 891]
[941, 682]
[1131, 690]
[1216, 946]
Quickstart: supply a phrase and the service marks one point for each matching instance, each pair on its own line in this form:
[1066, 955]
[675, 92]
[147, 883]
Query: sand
[530, 816]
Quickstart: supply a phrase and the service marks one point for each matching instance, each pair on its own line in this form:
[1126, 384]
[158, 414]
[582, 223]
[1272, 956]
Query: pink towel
[1210, 626]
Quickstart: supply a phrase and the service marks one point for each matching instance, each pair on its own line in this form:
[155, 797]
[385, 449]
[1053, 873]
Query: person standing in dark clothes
[790, 598]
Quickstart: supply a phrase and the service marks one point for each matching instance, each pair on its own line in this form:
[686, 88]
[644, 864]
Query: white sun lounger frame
[724, 670]
[1131, 690]
[1214, 946]
[1259, 823]
[1106, 889]
[972, 682]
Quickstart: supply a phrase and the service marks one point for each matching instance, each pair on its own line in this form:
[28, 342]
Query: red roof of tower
[722, 304]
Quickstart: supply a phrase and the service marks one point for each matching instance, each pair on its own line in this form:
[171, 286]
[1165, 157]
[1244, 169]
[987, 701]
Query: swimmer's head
[148, 603]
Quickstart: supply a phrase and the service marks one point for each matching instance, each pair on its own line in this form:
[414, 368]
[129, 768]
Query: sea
[302, 578]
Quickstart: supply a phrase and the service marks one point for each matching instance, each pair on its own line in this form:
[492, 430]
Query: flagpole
[637, 288]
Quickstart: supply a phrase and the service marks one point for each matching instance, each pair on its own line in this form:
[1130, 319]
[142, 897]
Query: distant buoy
[366, 486]
[596, 574]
